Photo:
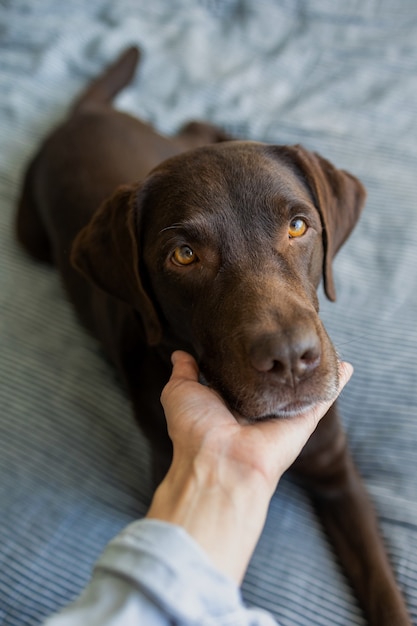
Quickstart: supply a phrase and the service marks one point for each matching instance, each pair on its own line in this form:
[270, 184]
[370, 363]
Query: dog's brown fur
[245, 305]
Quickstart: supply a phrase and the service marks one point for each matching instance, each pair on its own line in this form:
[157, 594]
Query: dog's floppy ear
[339, 198]
[106, 251]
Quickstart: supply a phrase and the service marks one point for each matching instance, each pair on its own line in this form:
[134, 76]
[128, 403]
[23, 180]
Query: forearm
[224, 515]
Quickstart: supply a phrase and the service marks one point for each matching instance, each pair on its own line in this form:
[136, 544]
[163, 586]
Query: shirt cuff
[167, 566]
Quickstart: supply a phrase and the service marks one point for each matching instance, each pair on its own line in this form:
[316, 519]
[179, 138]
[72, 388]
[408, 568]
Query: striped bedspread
[339, 77]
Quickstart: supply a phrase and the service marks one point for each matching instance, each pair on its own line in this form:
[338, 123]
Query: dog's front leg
[347, 514]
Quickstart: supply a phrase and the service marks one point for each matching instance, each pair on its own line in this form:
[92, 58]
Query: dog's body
[218, 250]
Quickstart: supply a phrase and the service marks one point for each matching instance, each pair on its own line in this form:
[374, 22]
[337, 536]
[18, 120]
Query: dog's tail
[114, 78]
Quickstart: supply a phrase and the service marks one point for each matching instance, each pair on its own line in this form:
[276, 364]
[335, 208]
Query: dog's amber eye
[297, 227]
[184, 255]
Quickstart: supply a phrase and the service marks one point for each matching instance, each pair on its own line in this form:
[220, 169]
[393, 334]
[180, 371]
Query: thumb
[184, 367]
[185, 370]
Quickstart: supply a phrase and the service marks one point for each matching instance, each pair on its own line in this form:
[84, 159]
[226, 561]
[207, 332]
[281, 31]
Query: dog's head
[221, 251]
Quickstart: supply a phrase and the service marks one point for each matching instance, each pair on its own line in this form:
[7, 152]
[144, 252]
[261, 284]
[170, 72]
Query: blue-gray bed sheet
[339, 77]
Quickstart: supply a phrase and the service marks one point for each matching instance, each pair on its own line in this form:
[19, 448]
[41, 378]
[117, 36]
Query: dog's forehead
[240, 178]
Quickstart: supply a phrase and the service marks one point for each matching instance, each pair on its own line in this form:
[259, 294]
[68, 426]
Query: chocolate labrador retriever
[217, 250]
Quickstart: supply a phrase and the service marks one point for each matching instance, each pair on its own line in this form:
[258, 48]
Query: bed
[340, 78]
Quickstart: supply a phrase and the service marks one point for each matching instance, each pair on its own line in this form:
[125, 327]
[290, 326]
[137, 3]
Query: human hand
[201, 425]
[224, 469]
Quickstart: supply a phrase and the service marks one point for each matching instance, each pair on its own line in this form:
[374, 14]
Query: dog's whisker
[350, 341]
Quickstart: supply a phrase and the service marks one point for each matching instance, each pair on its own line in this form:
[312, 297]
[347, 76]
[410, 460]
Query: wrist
[222, 507]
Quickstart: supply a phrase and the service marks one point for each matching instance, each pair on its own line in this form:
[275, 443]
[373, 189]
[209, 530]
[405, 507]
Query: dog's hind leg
[347, 514]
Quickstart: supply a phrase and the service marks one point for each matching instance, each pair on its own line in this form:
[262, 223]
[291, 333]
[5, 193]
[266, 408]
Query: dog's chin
[294, 409]
[261, 411]
[268, 406]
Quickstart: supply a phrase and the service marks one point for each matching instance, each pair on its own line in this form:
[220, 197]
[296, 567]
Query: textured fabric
[153, 573]
[339, 77]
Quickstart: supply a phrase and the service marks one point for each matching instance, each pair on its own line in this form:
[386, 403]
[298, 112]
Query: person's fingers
[320, 410]
[345, 374]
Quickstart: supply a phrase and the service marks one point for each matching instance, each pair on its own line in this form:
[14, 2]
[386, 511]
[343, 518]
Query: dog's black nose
[289, 356]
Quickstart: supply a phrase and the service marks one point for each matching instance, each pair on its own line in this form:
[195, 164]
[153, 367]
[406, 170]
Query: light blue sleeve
[154, 574]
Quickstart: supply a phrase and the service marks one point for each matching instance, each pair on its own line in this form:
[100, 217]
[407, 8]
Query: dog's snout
[288, 356]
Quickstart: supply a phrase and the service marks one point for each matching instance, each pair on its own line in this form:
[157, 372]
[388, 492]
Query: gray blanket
[339, 77]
